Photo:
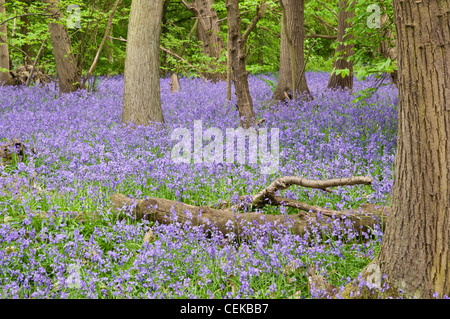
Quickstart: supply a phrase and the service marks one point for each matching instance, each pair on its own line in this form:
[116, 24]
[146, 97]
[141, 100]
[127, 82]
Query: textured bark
[162, 210]
[293, 11]
[387, 46]
[174, 83]
[26, 47]
[343, 51]
[5, 77]
[66, 64]
[208, 32]
[141, 98]
[284, 85]
[238, 59]
[415, 252]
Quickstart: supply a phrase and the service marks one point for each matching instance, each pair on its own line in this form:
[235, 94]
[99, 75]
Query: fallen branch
[226, 221]
[233, 220]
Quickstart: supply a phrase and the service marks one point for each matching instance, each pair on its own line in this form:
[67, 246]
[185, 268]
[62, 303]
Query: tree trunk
[26, 47]
[238, 59]
[293, 10]
[284, 85]
[5, 76]
[387, 46]
[343, 51]
[66, 64]
[208, 32]
[109, 51]
[141, 98]
[229, 72]
[415, 252]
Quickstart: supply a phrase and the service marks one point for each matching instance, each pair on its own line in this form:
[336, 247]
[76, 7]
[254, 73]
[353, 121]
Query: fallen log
[226, 221]
[235, 218]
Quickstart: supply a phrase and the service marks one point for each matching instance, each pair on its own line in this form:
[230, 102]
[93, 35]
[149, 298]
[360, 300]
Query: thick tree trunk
[66, 64]
[293, 11]
[141, 98]
[284, 85]
[343, 51]
[415, 252]
[5, 77]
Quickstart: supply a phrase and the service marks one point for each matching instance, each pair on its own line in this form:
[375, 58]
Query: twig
[223, 19]
[188, 37]
[315, 35]
[30, 14]
[181, 59]
[259, 14]
[324, 22]
[14, 47]
[171, 53]
[35, 63]
[332, 11]
[307, 58]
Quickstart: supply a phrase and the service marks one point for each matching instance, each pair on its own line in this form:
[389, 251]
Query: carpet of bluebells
[84, 154]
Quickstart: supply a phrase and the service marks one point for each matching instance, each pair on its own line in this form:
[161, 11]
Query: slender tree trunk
[208, 32]
[343, 51]
[284, 86]
[109, 50]
[387, 46]
[293, 10]
[5, 76]
[237, 56]
[415, 252]
[229, 72]
[66, 64]
[26, 47]
[141, 98]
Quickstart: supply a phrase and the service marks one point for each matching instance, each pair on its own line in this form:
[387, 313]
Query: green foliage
[179, 36]
[368, 36]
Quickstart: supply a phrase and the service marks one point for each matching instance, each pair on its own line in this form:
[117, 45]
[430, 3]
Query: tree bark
[26, 47]
[293, 11]
[343, 52]
[415, 252]
[166, 211]
[5, 76]
[66, 64]
[142, 100]
[208, 32]
[387, 46]
[238, 59]
[284, 85]
[208, 217]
